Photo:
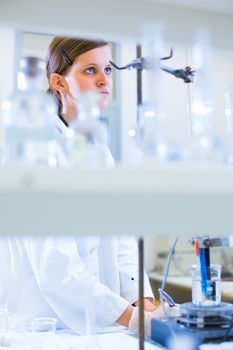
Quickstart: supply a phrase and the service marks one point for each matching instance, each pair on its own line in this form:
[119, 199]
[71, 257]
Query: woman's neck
[68, 113]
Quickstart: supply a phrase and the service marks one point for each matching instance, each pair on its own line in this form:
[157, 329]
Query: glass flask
[27, 118]
[207, 292]
[150, 142]
[88, 145]
[206, 146]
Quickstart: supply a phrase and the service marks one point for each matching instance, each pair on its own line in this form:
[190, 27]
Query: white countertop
[69, 341]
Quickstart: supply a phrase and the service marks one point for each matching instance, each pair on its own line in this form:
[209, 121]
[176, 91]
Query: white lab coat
[72, 279]
[59, 277]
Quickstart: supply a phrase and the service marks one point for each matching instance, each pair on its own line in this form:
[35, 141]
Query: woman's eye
[90, 70]
[108, 70]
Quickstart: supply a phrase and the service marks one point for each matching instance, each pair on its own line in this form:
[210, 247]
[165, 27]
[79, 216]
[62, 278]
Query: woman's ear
[57, 82]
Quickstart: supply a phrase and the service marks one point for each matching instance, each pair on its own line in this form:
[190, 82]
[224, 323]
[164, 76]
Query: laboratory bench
[67, 340]
[179, 287]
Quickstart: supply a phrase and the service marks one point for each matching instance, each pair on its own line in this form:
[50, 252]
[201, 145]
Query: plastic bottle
[88, 147]
[27, 119]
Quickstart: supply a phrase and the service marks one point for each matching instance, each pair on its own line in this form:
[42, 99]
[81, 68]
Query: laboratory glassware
[208, 291]
[150, 142]
[88, 142]
[206, 146]
[44, 324]
[43, 333]
[27, 118]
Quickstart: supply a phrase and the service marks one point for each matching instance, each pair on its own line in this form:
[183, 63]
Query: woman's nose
[102, 79]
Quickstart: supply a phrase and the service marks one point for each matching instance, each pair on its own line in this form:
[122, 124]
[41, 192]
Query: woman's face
[91, 71]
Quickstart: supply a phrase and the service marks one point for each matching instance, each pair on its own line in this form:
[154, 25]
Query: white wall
[117, 19]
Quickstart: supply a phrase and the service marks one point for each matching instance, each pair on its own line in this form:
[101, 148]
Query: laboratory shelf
[178, 199]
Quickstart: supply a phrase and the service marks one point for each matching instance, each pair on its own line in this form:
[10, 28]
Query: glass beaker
[206, 291]
[44, 324]
[27, 118]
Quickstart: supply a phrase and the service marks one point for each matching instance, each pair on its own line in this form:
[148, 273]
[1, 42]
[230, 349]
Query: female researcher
[65, 277]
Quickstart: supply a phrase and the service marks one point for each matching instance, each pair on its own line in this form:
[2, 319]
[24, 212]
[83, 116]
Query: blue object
[162, 331]
[203, 270]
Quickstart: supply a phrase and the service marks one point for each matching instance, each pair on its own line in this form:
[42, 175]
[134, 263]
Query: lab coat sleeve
[129, 272]
[65, 282]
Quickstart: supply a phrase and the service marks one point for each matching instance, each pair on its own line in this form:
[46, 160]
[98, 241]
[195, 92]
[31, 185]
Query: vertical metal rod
[139, 81]
[190, 115]
[189, 107]
[141, 293]
[140, 241]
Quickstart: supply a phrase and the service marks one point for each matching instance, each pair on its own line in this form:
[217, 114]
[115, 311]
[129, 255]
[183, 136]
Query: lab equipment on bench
[46, 325]
[206, 318]
[88, 142]
[150, 138]
[206, 145]
[27, 118]
[207, 292]
[186, 73]
[151, 142]
[167, 297]
[206, 277]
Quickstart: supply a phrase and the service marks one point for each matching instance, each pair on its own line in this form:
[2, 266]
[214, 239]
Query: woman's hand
[148, 305]
[126, 315]
[160, 312]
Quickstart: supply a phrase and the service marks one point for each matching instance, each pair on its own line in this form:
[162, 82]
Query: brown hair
[62, 53]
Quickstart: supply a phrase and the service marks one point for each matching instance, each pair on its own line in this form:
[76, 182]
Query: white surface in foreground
[69, 341]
